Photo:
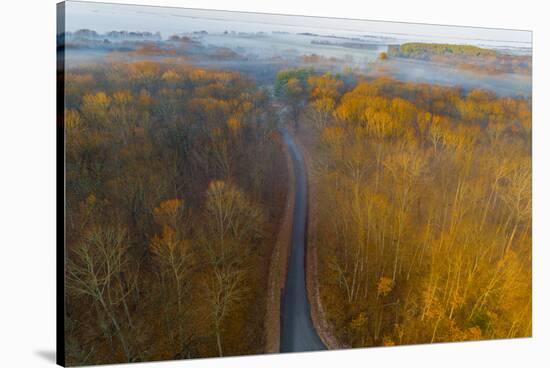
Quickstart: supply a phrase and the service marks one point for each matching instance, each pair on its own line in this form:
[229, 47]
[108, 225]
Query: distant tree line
[467, 57]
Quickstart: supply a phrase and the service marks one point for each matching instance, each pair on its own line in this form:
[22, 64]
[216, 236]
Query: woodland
[466, 57]
[177, 179]
[175, 182]
[420, 209]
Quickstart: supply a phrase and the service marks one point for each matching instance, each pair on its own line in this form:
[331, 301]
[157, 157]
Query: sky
[103, 17]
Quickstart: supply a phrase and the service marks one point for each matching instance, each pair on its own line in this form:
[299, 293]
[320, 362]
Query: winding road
[297, 331]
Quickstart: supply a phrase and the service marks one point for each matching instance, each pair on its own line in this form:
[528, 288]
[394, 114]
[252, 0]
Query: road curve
[297, 331]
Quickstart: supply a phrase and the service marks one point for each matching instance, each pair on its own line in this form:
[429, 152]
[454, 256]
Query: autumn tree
[144, 141]
[233, 223]
[100, 270]
[424, 230]
[292, 87]
[173, 254]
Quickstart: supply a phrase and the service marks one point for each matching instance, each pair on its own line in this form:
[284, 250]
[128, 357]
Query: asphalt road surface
[297, 332]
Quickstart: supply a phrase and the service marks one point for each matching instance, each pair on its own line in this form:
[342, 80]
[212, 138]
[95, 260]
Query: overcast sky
[107, 17]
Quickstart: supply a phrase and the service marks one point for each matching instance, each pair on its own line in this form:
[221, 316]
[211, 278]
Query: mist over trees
[466, 57]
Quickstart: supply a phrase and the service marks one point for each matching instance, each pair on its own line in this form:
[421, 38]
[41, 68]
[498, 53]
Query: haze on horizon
[104, 17]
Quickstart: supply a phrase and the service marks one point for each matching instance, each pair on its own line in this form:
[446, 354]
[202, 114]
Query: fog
[169, 20]
[505, 84]
[263, 44]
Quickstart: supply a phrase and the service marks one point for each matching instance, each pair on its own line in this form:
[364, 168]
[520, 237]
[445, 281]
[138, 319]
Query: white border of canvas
[27, 182]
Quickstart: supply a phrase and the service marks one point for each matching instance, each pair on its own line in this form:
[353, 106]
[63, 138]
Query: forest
[186, 156]
[420, 208]
[425, 50]
[170, 215]
[466, 57]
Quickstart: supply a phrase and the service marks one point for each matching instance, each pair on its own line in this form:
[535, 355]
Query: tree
[232, 217]
[321, 111]
[291, 86]
[225, 288]
[95, 108]
[324, 86]
[233, 221]
[515, 192]
[99, 268]
[173, 254]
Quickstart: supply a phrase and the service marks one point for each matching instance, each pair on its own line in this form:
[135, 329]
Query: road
[297, 331]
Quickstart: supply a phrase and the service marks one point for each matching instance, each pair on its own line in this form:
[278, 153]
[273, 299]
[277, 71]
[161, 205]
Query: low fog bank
[262, 55]
[409, 70]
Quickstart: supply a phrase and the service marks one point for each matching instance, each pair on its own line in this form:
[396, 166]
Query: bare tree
[225, 288]
[98, 267]
[233, 221]
[172, 252]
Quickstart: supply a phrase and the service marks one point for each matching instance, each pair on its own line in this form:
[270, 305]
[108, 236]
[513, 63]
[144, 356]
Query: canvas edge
[60, 186]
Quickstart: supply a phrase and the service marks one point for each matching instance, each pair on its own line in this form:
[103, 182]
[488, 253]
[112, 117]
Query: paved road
[298, 333]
